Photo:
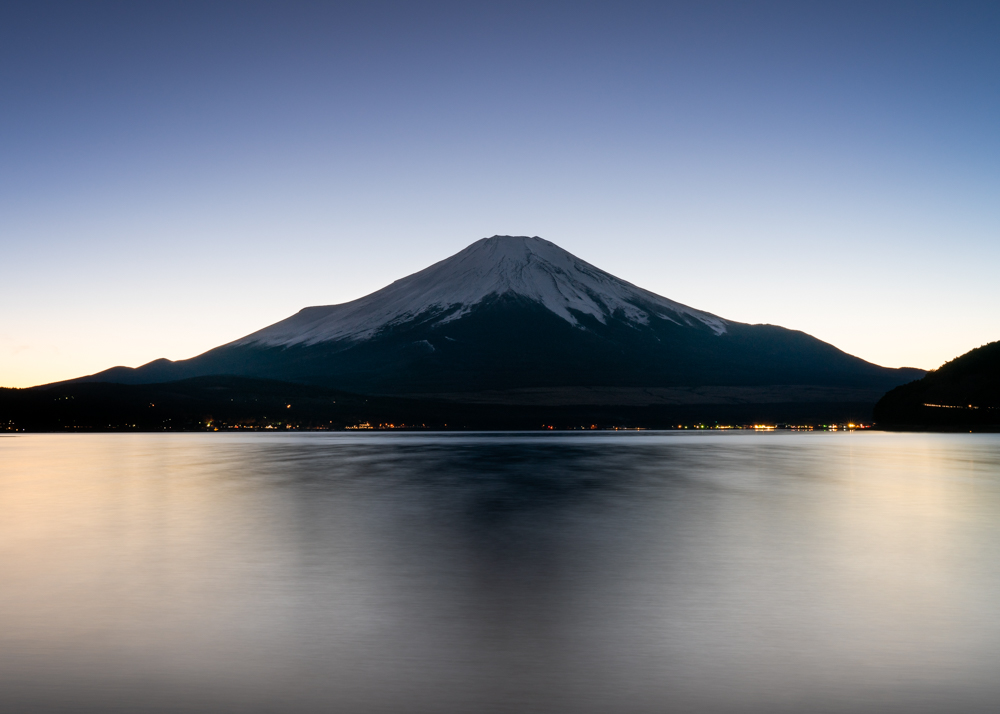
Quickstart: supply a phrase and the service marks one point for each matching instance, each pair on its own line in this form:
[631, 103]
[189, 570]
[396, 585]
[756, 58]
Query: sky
[176, 175]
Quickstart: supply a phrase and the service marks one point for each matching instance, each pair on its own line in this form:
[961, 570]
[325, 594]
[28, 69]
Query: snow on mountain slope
[528, 267]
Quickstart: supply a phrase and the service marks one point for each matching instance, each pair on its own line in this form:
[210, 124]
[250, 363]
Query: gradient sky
[174, 176]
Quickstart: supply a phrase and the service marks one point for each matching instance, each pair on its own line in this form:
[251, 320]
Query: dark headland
[960, 395]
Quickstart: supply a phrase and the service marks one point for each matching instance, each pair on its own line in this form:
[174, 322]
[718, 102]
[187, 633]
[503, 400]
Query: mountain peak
[511, 240]
[527, 267]
[515, 245]
[504, 253]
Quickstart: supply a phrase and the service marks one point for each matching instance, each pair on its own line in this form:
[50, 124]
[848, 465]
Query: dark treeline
[208, 403]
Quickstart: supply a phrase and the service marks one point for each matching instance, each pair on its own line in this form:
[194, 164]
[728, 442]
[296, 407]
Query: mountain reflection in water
[570, 573]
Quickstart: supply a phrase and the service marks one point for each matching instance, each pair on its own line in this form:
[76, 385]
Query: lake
[492, 572]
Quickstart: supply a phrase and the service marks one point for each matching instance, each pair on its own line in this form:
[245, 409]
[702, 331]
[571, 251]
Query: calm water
[500, 573]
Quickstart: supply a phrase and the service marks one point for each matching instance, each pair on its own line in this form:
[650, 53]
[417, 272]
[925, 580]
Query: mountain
[962, 392]
[520, 320]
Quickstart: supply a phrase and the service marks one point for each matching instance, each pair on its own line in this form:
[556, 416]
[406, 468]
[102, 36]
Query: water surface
[574, 573]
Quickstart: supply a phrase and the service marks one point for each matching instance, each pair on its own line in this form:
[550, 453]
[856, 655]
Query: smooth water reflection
[500, 573]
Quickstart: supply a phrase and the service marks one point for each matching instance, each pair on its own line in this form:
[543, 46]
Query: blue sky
[174, 176]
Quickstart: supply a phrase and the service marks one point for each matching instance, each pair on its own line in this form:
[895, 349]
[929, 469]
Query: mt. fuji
[519, 320]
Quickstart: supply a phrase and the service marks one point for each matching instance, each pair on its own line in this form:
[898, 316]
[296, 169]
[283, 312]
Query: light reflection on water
[500, 573]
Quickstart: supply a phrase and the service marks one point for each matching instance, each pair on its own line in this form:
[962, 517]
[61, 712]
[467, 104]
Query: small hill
[962, 392]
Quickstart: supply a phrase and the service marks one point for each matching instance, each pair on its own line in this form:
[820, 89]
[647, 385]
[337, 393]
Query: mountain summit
[515, 319]
[531, 269]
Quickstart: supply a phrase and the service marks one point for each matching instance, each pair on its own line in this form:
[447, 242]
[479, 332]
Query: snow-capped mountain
[516, 315]
[529, 268]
